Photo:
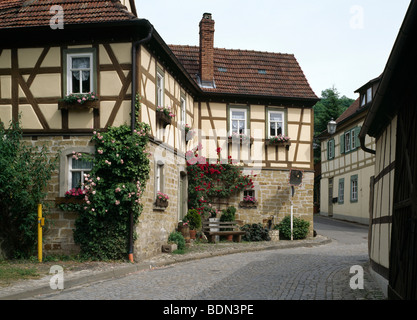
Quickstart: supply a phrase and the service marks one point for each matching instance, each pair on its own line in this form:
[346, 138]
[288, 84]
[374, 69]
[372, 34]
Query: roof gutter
[135, 45]
[388, 74]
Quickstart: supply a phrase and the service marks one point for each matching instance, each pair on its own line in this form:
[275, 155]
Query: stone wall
[274, 199]
[155, 224]
[58, 231]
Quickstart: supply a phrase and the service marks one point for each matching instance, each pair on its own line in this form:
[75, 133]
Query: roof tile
[283, 76]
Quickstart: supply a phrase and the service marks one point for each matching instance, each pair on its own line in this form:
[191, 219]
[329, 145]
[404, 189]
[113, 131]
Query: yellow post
[40, 224]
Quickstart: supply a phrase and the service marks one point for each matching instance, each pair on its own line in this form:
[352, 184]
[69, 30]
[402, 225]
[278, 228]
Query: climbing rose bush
[113, 190]
[206, 181]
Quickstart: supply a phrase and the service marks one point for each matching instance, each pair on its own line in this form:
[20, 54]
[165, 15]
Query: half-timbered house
[345, 167]
[393, 207]
[103, 47]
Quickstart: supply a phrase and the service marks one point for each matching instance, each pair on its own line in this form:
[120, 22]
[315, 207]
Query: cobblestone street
[305, 273]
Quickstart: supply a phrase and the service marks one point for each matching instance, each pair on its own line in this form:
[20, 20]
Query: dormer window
[369, 95]
[366, 97]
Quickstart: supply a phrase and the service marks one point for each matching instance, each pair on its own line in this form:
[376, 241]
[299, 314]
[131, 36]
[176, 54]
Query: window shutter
[342, 144]
[357, 142]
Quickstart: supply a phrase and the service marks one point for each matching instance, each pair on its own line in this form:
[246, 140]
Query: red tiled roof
[31, 13]
[249, 72]
[354, 108]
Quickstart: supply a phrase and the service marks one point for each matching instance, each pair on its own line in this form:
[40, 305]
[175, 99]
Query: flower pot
[229, 237]
[193, 234]
[161, 203]
[165, 120]
[185, 231]
[90, 104]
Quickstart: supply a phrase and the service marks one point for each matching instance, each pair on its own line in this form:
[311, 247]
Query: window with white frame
[80, 72]
[275, 123]
[159, 177]
[159, 89]
[354, 188]
[238, 121]
[183, 111]
[77, 169]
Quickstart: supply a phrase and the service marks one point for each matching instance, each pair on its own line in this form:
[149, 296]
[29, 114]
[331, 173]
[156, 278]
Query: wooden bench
[224, 229]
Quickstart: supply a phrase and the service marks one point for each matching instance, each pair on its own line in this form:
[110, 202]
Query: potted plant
[184, 229]
[249, 202]
[194, 221]
[164, 114]
[280, 140]
[79, 101]
[161, 200]
[189, 134]
[228, 215]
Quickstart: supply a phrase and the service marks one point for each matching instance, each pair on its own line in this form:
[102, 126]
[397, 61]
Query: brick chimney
[207, 50]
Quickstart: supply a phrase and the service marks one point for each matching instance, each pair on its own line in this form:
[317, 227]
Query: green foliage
[255, 232]
[113, 191]
[330, 106]
[193, 218]
[300, 228]
[178, 238]
[24, 174]
[228, 214]
[212, 180]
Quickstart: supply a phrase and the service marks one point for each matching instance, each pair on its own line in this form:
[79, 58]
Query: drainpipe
[135, 45]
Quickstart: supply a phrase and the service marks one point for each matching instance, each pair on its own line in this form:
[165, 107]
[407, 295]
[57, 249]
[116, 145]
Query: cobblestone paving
[315, 273]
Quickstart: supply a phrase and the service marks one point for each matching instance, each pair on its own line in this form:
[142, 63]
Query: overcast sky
[340, 43]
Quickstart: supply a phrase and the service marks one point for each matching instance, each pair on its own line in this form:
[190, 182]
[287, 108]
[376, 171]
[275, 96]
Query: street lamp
[331, 127]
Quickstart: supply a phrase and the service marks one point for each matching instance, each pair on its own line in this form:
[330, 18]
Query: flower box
[285, 144]
[161, 203]
[91, 104]
[163, 118]
[246, 204]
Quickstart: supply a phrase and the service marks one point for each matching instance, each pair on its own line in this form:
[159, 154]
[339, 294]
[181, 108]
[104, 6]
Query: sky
[338, 43]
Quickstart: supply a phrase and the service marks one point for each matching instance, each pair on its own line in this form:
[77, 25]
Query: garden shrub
[255, 232]
[193, 218]
[24, 174]
[177, 238]
[300, 228]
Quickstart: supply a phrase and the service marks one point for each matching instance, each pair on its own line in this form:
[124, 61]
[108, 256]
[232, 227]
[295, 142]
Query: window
[249, 193]
[159, 177]
[159, 89]
[80, 72]
[354, 188]
[238, 121]
[341, 196]
[330, 149]
[349, 141]
[183, 111]
[275, 123]
[369, 95]
[77, 169]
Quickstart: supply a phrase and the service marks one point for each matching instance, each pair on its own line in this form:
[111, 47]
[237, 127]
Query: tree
[24, 174]
[331, 106]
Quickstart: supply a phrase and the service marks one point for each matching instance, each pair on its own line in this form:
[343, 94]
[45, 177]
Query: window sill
[62, 105]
